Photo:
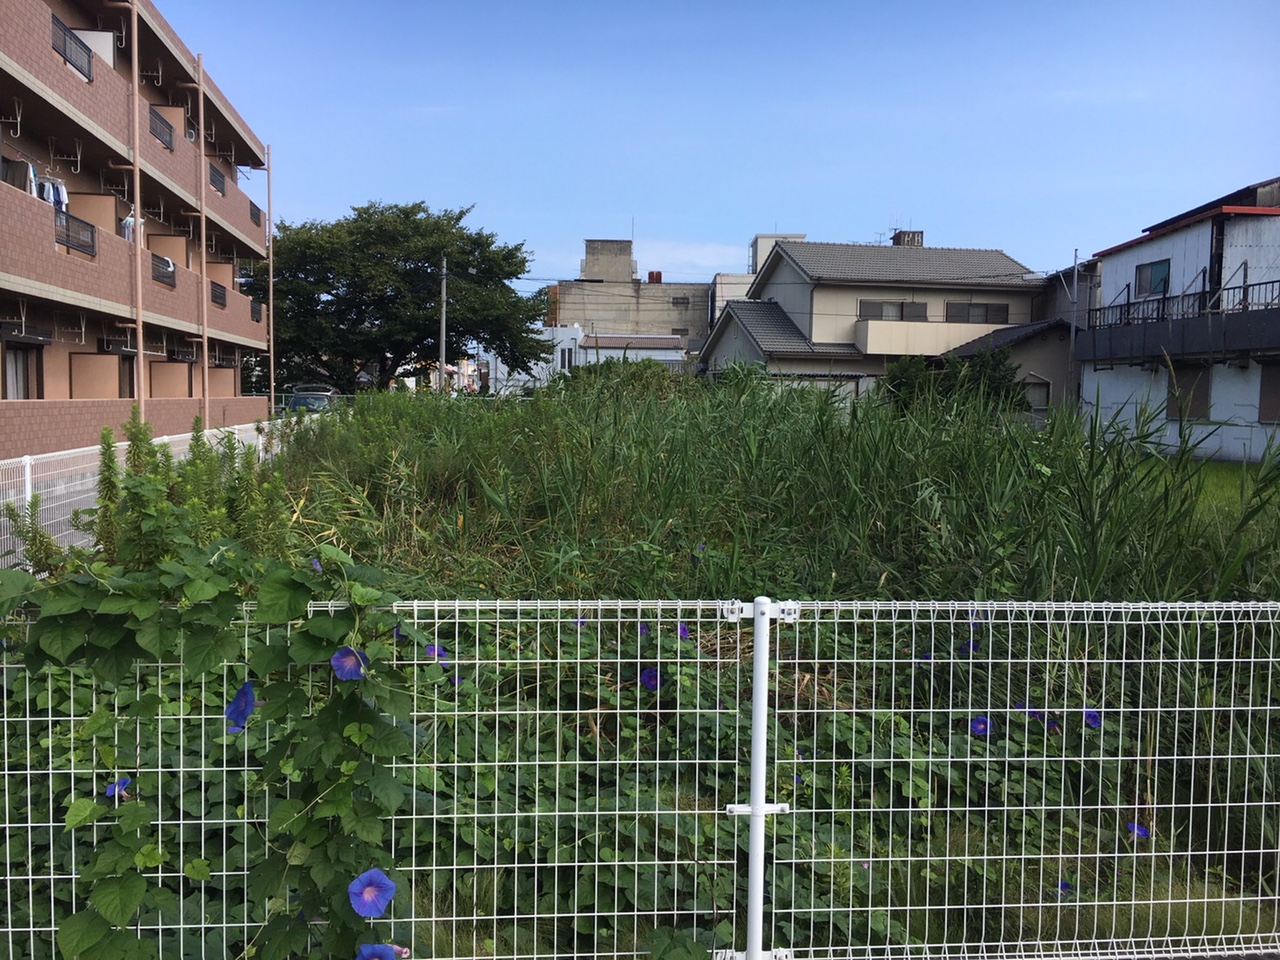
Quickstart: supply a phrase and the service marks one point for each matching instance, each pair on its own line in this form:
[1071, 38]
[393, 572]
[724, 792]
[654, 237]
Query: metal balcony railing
[217, 293]
[217, 180]
[1253, 296]
[163, 270]
[255, 311]
[75, 233]
[255, 214]
[72, 49]
[161, 128]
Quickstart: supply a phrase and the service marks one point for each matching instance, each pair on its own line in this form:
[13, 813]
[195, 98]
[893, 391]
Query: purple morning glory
[240, 707]
[971, 647]
[651, 678]
[1064, 886]
[1139, 831]
[371, 892]
[377, 951]
[438, 653]
[1092, 719]
[349, 663]
[1053, 726]
[317, 566]
[118, 788]
[399, 634]
[683, 630]
[1033, 714]
[644, 629]
[979, 726]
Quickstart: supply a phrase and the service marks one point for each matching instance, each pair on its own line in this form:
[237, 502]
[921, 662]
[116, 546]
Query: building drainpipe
[202, 177]
[140, 371]
[271, 297]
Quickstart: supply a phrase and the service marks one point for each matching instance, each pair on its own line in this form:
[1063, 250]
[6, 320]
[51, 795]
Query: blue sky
[691, 126]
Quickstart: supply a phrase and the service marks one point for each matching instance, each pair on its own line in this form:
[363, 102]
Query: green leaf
[118, 898]
[331, 626]
[60, 637]
[15, 586]
[197, 870]
[205, 648]
[198, 591]
[136, 815]
[364, 596]
[80, 931]
[82, 811]
[149, 856]
[62, 600]
[281, 598]
[286, 816]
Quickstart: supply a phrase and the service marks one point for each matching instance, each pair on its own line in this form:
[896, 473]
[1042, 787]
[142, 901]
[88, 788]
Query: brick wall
[46, 426]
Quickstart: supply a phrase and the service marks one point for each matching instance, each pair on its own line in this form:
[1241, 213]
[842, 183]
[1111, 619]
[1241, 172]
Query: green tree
[357, 300]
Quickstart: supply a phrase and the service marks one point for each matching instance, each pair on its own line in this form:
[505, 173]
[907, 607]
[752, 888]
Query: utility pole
[444, 293]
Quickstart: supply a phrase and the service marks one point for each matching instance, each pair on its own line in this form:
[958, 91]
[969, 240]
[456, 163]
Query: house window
[892, 310]
[1269, 394]
[1152, 279]
[21, 372]
[1188, 393]
[566, 358]
[962, 311]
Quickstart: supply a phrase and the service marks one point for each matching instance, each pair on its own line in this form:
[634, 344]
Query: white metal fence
[67, 481]
[833, 779]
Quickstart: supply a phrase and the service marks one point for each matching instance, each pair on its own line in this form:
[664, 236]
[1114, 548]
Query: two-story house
[1188, 331]
[841, 311]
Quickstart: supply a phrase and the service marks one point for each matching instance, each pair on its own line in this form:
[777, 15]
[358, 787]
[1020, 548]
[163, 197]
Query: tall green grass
[623, 481]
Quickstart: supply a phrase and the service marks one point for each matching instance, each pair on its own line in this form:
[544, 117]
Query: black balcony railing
[255, 214]
[75, 233]
[217, 180]
[255, 311]
[72, 49]
[1253, 296]
[163, 270]
[161, 128]
[217, 293]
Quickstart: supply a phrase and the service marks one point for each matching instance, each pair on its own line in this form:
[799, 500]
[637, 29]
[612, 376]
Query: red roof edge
[1216, 211]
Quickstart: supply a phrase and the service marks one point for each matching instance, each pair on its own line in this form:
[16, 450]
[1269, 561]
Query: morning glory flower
[118, 788]
[317, 566]
[1092, 719]
[399, 634]
[579, 623]
[437, 652]
[371, 892]
[683, 630]
[1064, 886]
[379, 951]
[651, 678]
[971, 647]
[979, 726]
[644, 629]
[349, 663]
[240, 707]
[1139, 831]
[1053, 726]
[1032, 713]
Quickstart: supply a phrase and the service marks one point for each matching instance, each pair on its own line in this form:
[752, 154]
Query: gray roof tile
[873, 263]
[1005, 337]
[770, 326]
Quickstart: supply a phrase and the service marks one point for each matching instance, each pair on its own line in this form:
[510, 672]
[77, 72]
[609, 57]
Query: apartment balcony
[227, 206]
[47, 57]
[232, 314]
[1236, 321]
[61, 257]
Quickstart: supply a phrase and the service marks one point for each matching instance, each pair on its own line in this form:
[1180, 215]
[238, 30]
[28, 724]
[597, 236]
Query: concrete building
[1186, 340]
[609, 298]
[125, 227]
[841, 311]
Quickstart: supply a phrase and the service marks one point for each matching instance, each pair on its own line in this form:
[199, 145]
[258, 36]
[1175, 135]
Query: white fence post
[27, 486]
[758, 808]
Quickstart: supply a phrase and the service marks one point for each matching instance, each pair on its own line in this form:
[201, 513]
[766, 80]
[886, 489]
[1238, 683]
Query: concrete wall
[1187, 251]
[633, 307]
[1252, 239]
[608, 260]
[1133, 395]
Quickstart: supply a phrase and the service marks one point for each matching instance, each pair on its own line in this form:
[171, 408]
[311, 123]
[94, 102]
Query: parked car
[310, 398]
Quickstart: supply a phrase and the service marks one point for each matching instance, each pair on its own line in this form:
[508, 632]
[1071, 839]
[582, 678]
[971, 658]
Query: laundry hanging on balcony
[21, 174]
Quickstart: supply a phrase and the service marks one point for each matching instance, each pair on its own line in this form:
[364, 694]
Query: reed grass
[626, 481]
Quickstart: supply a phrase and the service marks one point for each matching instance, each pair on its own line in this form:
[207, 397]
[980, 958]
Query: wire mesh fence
[67, 481]
[1020, 780]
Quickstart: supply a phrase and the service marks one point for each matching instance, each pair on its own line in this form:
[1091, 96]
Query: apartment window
[962, 311]
[679, 301]
[1188, 393]
[892, 310]
[22, 373]
[1151, 279]
[1269, 394]
[566, 358]
[217, 180]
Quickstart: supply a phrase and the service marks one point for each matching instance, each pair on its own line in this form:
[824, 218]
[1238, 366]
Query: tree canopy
[357, 300]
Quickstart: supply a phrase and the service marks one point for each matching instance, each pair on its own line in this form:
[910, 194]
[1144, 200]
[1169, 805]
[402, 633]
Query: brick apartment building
[124, 229]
